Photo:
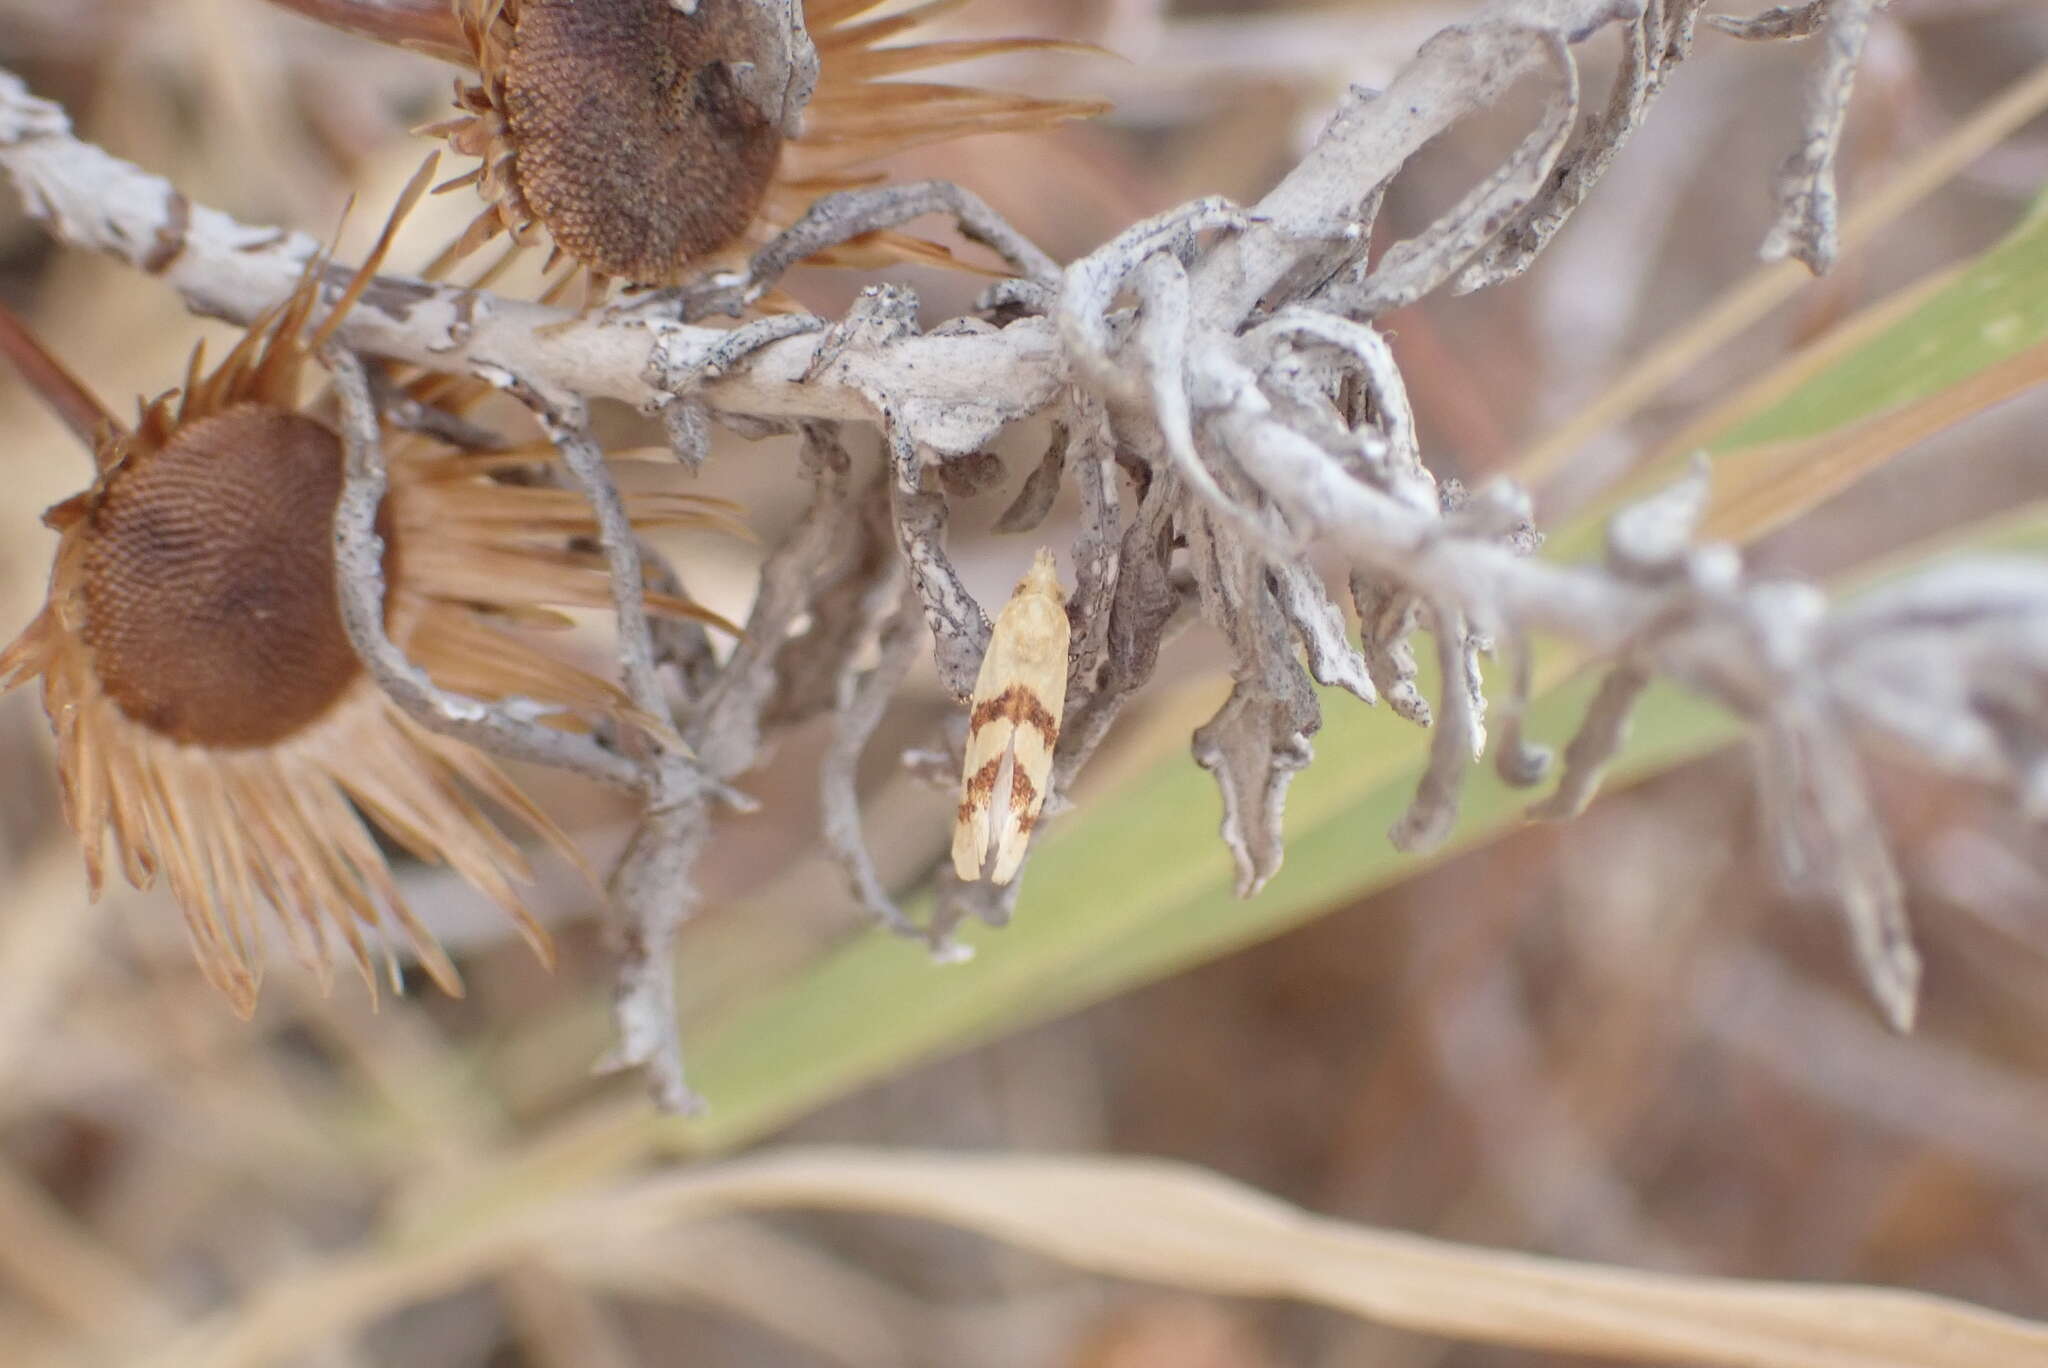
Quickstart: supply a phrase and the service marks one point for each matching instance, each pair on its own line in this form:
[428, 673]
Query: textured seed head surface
[209, 582]
[632, 140]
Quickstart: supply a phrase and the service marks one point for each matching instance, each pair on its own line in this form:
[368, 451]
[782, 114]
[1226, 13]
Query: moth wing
[1023, 680]
[973, 831]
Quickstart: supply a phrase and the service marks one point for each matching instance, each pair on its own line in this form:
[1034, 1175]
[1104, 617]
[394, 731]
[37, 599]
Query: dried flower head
[623, 129]
[211, 713]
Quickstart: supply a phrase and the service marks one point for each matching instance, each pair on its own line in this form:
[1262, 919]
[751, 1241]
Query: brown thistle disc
[209, 581]
[633, 142]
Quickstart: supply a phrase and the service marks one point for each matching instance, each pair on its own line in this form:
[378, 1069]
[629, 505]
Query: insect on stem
[1012, 728]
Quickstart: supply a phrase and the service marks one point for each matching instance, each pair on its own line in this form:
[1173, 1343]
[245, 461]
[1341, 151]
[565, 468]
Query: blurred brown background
[1613, 1041]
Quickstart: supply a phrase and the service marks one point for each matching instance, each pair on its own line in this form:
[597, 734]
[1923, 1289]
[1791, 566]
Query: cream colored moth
[1012, 728]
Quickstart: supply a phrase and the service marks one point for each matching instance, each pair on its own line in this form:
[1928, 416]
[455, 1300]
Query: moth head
[1043, 577]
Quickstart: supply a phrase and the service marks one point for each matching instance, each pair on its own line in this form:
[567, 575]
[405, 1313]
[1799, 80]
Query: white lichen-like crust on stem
[1224, 405]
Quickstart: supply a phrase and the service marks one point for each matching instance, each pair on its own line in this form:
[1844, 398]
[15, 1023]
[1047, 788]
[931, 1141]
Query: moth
[1012, 728]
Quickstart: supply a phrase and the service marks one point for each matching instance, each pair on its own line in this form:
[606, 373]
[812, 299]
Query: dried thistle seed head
[631, 138]
[624, 129]
[208, 581]
[212, 716]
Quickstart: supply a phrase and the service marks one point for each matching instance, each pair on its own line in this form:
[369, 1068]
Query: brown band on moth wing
[980, 787]
[427, 26]
[1023, 798]
[1019, 705]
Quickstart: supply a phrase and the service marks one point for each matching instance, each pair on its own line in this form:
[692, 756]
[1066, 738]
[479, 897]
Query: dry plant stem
[403, 411]
[959, 627]
[1122, 630]
[821, 552]
[653, 891]
[1749, 647]
[509, 727]
[1460, 71]
[1516, 761]
[837, 219]
[653, 888]
[1165, 317]
[231, 271]
[1808, 212]
[684, 415]
[567, 427]
[891, 616]
[1828, 838]
[680, 643]
[724, 727]
[1650, 48]
[1028, 511]
[1415, 267]
[1783, 21]
[1598, 741]
[1168, 1224]
[1097, 563]
[1091, 284]
[848, 214]
[964, 387]
[1319, 625]
[1428, 821]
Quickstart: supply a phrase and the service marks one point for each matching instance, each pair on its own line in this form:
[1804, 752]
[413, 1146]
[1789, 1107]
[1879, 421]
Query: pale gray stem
[1808, 205]
[509, 727]
[1599, 739]
[1429, 819]
[959, 627]
[892, 610]
[1517, 761]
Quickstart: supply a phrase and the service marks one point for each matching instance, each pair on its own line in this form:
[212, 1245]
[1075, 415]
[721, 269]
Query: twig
[1598, 740]
[509, 727]
[1652, 45]
[1418, 265]
[1807, 203]
[891, 613]
[1428, 821]
[958, 625]
[653, 886]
